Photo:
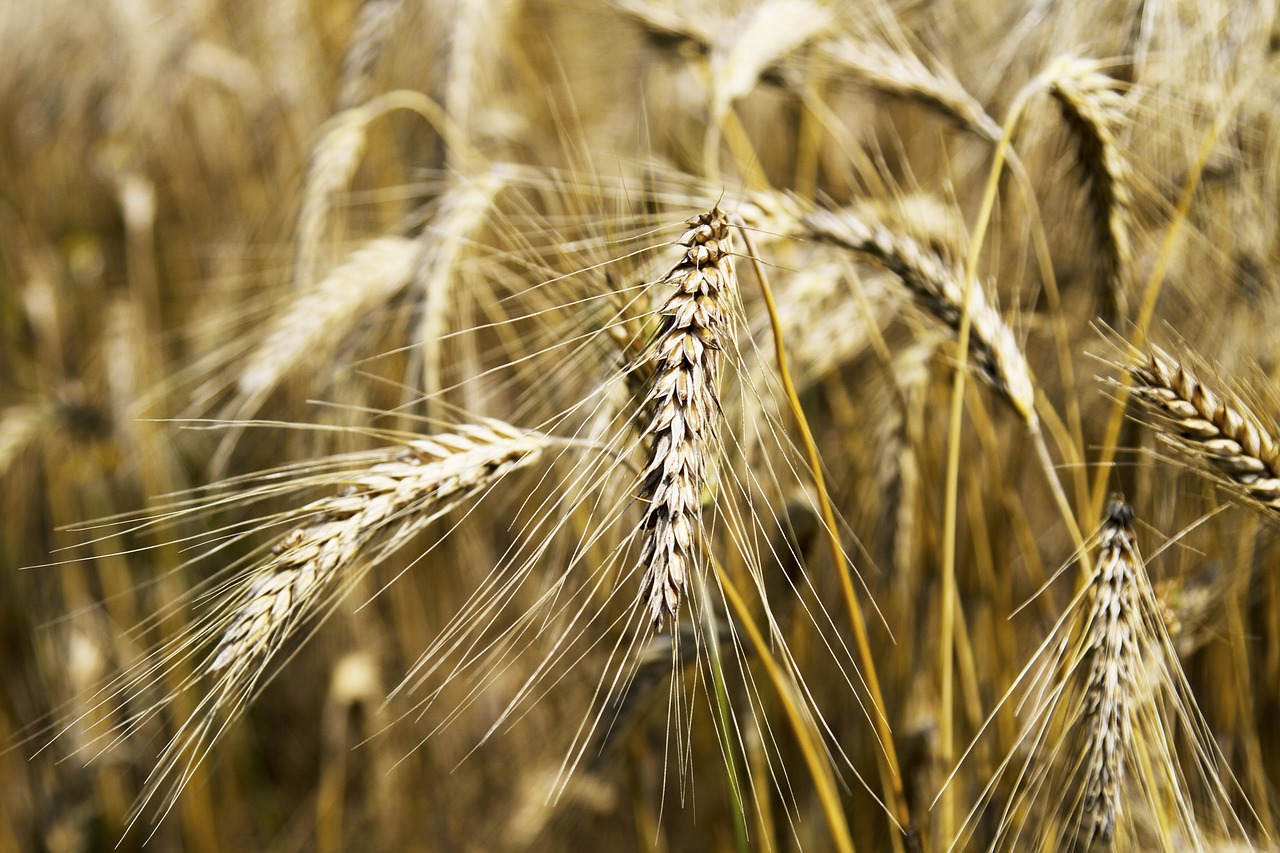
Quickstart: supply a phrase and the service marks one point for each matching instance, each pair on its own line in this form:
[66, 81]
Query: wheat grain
[1115, 752]
[684, 406]
[740, 61]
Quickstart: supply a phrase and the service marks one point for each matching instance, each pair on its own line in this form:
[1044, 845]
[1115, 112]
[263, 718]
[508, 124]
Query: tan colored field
[717, 425]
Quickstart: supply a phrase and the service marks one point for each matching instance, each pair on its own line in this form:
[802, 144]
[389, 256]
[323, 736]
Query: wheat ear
[905, 76]
[386, 496]
[1091, 108]
[933, 273]
[394, 493]
[321, 317]
[374, 26]
[684, 408]
[1111, 653]
[331, 165]
[1215, 429]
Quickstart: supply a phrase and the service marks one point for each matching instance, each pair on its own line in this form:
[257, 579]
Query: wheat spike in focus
[684, 408]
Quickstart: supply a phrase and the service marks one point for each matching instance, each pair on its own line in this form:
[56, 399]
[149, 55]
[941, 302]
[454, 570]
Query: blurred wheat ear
[933, 275]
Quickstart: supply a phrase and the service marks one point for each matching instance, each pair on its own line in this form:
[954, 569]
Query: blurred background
[404, 214]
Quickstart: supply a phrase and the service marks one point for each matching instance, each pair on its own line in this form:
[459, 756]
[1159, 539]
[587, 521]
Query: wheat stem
[819, 769]
[891, 776]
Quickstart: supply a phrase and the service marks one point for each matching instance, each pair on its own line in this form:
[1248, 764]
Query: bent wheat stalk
[684, 409]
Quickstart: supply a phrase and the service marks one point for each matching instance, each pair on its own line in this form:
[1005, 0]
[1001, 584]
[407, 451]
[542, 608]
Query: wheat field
[715, 425]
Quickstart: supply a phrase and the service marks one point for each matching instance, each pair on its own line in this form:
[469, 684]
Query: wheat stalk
[824, 321]
[933, 273]
[684, 407]
[1213, 428]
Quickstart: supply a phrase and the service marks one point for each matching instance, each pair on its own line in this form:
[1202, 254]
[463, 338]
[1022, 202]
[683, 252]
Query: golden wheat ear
[382, 499]
[905, 75]
[684, 407]
[1113, 752]
[1213, 429]
[1092, 108]
[1112, 658]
